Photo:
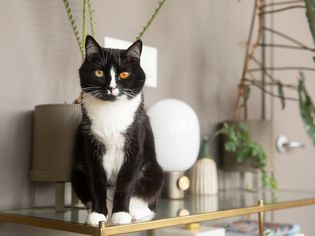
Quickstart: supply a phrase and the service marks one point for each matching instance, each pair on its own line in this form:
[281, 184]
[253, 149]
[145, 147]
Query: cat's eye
[99, 73]
[124, 75]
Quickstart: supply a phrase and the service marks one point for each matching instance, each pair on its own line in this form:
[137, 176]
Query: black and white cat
[115, 167]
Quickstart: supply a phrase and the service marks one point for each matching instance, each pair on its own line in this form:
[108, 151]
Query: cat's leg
[79, 172]
[79, 182]
[125, 185]
[97, 180]
[99, 210]
[147, 190]
[149, 183]
[82, 187]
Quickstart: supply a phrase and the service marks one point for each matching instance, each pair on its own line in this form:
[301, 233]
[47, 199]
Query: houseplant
[237, 138]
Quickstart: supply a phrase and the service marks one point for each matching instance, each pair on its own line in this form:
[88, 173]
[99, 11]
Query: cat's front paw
[94, 218]
[141, 214]
[121, 218]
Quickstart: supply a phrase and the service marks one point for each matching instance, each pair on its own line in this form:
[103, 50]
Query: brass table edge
[49, 224]
[154, 224]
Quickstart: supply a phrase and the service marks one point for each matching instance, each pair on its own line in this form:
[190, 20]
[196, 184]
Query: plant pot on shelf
[54, 131]
[261, 133]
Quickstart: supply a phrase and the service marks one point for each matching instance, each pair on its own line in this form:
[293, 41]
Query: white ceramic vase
[203, 175]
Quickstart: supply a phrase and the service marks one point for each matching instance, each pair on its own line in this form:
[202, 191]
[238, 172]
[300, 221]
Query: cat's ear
[91, 46]
[135, 50]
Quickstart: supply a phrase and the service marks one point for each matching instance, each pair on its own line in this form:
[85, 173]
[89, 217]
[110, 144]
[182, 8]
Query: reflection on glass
[225, 200]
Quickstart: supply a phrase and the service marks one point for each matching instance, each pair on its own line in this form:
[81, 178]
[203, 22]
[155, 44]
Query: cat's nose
[113, 91]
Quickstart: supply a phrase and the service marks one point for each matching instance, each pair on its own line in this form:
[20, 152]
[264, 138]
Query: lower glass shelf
[227, 203]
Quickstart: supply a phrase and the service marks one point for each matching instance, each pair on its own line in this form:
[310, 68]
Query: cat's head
[110, 74]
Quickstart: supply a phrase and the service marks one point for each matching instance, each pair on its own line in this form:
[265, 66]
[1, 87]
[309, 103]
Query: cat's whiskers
[91, 87]
[129, 92]
[90, 99]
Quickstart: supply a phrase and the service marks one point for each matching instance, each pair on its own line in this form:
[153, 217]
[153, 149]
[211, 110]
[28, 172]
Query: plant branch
[73, 26]
[289, 86]
[252, 82]
[286, 46]
[91, 13]
[284, 9]
[83, 25]
[156, 11]
[283, 68]
[246, 60]
[286, 37]
[266, 73]
[283, 3]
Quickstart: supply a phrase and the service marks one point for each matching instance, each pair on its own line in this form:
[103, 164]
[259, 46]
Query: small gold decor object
[183, 183]
[193, 226]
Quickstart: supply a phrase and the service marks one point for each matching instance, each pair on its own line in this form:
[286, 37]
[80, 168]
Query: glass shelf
[168, 212]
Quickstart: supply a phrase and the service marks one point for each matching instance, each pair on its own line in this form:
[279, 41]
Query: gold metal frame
[104, 230]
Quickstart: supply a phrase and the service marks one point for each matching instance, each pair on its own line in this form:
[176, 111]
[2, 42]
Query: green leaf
[281, 94]
[246, 95]
[230, 146]
[310, 14]
[242, 126]
[307, 109]
[239, 142]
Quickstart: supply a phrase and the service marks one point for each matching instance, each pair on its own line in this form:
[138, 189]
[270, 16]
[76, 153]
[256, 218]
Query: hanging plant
[307, 109]
[81, 40]
[155, 13]
[87, 6]
[310, 13]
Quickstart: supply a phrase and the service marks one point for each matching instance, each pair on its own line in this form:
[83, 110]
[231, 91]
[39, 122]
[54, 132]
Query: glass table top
[191, 205]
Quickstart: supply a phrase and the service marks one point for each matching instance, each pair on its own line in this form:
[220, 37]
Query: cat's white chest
[109, 123]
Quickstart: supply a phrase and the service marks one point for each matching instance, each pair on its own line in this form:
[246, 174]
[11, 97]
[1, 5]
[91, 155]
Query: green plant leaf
[239, 142]
[307, 109]
[74, 27]
[246, 95]
[310, 14]
[281, 94]
[147, 25]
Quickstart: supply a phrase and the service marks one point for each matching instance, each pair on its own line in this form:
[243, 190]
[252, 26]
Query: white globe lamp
[176, 132]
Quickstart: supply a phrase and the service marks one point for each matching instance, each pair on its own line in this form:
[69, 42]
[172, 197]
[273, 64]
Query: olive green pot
[54, 129]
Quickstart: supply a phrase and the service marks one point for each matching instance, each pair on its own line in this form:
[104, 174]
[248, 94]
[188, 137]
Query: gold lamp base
[175, 185]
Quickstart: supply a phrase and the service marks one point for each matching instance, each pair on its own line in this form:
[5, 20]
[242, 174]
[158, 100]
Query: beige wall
[200, 47]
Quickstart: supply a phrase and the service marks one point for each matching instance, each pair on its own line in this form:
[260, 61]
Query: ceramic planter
[54, 131]
[53, 140]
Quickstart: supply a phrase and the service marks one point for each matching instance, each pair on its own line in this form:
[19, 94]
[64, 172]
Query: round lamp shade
[176, 133]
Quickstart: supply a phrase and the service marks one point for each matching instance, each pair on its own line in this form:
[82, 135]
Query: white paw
[121, 218]
[141, 214]
[94, 218]
[139, 210]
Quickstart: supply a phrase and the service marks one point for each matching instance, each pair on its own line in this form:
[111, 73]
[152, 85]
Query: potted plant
[241, 149]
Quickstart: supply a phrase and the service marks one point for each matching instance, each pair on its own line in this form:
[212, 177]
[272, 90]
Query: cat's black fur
[140, 175]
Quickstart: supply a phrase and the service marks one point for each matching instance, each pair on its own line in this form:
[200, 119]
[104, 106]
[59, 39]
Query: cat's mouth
[108, 94]
[113, 91]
